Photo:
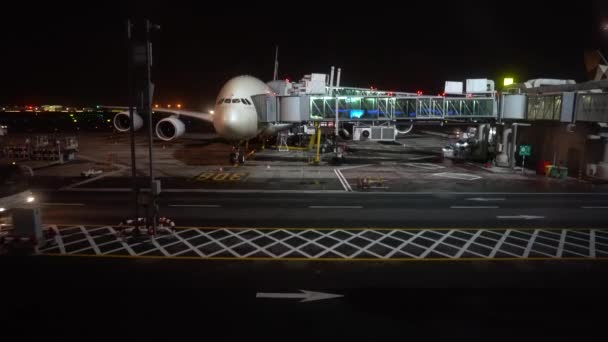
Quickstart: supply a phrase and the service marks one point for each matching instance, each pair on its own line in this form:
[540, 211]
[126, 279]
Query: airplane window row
[245, 101]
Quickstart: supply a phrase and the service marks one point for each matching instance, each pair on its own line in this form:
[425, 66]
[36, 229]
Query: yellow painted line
[154, 257]
[67, 226]
[383, 228]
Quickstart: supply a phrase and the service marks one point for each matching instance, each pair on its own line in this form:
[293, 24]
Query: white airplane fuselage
[235, 116]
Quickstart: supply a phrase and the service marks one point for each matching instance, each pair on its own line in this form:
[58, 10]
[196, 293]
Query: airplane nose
[232, 124]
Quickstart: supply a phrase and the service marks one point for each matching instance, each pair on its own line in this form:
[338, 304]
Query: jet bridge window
[227, 101]
[236, 101]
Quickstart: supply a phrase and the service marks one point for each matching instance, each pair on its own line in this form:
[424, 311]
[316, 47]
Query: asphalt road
[109, 298]
[102, 299]
[394, 210]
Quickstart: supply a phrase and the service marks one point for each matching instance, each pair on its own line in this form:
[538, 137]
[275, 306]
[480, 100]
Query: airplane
[234, 116]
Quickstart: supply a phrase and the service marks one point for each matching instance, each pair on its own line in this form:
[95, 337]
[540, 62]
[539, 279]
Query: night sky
[77, 56]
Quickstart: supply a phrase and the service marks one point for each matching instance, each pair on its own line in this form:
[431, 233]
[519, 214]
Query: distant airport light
[507, 81]
[169, 106]
[30, 199]
[108, 120]
[179, 105]
[2, 209]
[155, 106]
[419, 92]
[211, 112]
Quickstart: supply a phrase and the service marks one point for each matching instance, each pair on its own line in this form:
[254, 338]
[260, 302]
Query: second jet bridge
[373, 108]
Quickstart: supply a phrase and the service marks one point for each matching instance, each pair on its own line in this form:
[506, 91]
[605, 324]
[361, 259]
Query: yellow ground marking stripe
[117, 256]
[337, 228]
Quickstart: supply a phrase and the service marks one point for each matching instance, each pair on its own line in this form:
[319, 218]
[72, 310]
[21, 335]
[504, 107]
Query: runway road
[109, 296]
[332, 210]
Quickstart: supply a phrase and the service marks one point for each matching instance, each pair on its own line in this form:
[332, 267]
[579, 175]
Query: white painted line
[196, 205]
[500, 242]
[65, 204]
[122, 241]
[562, 241]
[468, 244]
[485, 199]
[340, 179]
[594, 207]
[421, 158]
[426, 166]
[159, 247]
[474, 207]
[354, 167]
[434, 245]
[455, 175]
[89, 180]
[400, 193]
[59, 240]
[522, 217]
[335, 207]
[192, 248]
[343, 180]
[90, 239]
[530, 243]
[592, 243]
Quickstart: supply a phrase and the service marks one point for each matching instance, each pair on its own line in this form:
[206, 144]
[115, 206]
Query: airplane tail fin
[276, 63]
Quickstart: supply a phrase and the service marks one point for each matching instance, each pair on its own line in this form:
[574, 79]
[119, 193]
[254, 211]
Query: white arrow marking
[306, 296]
[484, 199]
[523, 217]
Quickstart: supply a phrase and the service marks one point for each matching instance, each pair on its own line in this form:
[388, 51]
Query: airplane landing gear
[237, 155]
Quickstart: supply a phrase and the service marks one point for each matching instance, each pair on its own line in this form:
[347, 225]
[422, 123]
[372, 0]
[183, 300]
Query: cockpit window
[246, 101]
[227, 101]
[220, 101]
[236, 101]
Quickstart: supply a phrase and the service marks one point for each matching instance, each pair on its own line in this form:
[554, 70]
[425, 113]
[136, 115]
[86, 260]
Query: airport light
[156, 106]
[2, 209]
[211, 112]
[30, 199]
[507, 81]
[179, 105]
[168, 106]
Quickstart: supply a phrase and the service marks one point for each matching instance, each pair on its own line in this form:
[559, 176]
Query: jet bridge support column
[317, 159]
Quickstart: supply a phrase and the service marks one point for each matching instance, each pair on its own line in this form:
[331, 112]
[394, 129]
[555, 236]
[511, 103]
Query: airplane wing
[188, 113]
[180, 112]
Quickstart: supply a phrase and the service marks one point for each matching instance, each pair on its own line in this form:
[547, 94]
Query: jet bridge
[357, 108]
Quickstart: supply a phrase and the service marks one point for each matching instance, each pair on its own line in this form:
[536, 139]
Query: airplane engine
[122, 121]
[170, 128]
[403, 128]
